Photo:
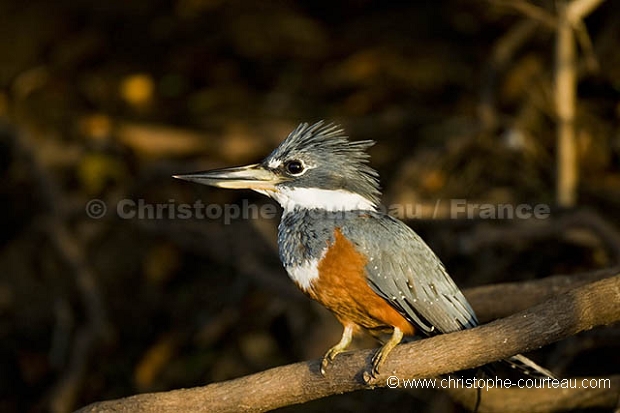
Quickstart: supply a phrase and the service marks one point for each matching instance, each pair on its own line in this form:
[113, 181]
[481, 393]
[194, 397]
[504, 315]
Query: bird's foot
[337, 349]
[381, 355]
[328, 358]
[370, 376]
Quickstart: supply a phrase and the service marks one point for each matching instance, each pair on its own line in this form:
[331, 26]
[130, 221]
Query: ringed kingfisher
[368, 268]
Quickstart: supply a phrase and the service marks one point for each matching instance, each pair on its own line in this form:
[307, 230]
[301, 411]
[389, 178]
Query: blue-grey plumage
[407, 273]
[370, 269]
[401, 268]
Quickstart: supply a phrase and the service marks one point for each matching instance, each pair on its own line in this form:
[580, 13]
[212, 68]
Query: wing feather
[406, 272]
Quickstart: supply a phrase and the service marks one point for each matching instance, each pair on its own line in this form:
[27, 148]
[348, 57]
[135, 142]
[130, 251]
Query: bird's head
[314, 167]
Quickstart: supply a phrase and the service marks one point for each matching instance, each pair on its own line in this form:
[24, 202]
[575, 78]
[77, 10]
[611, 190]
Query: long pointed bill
[243, 177]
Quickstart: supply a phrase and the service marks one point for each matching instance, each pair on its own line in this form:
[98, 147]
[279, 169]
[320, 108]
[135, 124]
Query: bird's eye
[294, 167]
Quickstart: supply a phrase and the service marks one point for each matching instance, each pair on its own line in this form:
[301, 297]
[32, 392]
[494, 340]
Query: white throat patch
[326, 199]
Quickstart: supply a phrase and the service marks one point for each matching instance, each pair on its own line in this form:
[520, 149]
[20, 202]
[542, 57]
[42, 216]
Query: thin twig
[529, 10]
[565, 101]
[579, 9]
[503, 51]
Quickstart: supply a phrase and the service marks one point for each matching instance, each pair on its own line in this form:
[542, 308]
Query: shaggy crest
[327, 146]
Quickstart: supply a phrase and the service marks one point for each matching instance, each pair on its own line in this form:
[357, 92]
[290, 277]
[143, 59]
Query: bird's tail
[528, 367]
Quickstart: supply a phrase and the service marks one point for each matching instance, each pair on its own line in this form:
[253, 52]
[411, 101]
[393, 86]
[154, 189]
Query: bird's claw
[371, 376]
[324, 364]
[327, 360]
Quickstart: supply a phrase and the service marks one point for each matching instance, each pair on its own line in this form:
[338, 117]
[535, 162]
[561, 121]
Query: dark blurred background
[107, 99]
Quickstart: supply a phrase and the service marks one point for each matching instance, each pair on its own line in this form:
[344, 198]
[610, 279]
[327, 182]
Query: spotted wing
[404, 271]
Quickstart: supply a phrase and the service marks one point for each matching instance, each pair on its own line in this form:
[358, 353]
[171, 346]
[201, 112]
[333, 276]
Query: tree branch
[565, 315]
[518, 296]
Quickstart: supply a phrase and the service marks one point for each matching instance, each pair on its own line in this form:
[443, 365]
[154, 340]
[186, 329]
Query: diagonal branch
[560, 317]
[519, 296]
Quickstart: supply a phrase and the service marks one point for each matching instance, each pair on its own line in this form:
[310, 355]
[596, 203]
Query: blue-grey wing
[404, 271]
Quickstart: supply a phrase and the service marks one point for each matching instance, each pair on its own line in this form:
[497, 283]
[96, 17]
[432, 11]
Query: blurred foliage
[114, 97]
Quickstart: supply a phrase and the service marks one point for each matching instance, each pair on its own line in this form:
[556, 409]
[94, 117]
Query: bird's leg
[381, 355]
[342, 345]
